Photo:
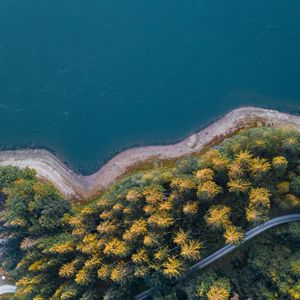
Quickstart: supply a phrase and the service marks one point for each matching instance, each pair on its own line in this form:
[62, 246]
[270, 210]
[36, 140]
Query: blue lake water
[90, 78]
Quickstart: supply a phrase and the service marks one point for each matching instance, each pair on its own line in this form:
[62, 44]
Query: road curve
[229, 248]
[71, 184]
[7, 289]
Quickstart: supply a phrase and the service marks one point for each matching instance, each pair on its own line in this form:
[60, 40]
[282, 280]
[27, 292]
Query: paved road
[225, 250]
[7, 289]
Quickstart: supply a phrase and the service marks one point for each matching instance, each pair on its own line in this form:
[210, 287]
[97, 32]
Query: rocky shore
[71, 184]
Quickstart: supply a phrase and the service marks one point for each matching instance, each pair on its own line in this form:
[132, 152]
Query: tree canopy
[149, 227]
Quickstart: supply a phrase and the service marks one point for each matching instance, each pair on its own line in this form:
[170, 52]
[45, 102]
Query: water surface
[90, 78]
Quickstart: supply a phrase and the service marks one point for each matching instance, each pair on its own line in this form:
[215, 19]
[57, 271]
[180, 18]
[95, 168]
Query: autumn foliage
[152, 224]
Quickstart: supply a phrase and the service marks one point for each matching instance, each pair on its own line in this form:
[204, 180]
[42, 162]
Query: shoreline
[72, 184]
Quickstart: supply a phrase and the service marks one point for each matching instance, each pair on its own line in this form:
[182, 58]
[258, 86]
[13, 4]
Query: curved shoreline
[71, 184]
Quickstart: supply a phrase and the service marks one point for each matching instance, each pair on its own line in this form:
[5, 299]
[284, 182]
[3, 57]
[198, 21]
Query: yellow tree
[243, 158]
[119, 273]
[133, 195]
[107, 215]
[107, 227]
[213, 155]
[103, 203]
[279, 164]
[291, 144]
[173, 267]
[219, 290]
[292, 201]
[27, 285]
[283, 187]
[183, 184]
[116, 247]
[260, 197]
[62, 248]
[235, 170]
[162, 253]
[104, 271]
[151, 240]
[65, 292]
[238, 186]
[208, 190]
[190, 208]
[205, 174]
[190, 250]
[233, 235]
[69, 269]
[137, 229]
[181, 237]
[161, 219]
[220, 163]
[153, 194]
[260, 145]
[89, 244]
[141, 271]
[149, 209]
[141, 256]
[295, 265]
[82, 277]
[218, 216]
[259, 167]
[256, 214]
[166, 205]
[69, 294]
[92, 262]
[38, 265]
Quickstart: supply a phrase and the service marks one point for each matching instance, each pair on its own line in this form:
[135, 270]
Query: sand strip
[71, 184]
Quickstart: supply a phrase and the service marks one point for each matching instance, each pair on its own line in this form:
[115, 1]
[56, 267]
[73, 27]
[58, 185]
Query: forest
[151, 226]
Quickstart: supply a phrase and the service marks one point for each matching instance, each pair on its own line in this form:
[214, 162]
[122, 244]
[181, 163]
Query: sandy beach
[74, 185]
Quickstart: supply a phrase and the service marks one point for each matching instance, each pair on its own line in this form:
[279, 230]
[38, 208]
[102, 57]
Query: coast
[74, 185]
